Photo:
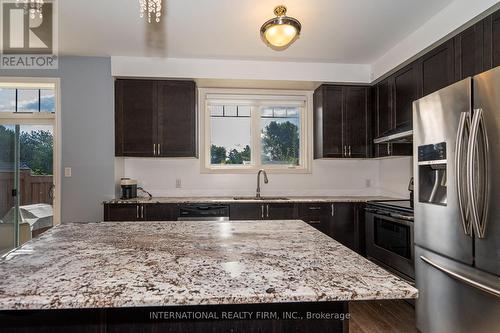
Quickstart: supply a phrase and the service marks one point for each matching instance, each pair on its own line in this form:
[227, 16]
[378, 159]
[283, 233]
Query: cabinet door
[122, 212]
[247, 211]
[280, 211]
[332, 116]
[383, 116]
[177, 118]
[343, 224]
[405, 91]
[469, 52]
[161, 212]
[491, 46]
[356, 122]
[384, 108]
[135, 117]
[437, 68]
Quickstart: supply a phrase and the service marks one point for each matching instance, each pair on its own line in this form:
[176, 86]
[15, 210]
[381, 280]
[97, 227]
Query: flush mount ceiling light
[151, 8]
[280, 32]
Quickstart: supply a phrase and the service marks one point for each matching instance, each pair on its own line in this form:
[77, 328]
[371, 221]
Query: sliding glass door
[27, 156]
[9, 184]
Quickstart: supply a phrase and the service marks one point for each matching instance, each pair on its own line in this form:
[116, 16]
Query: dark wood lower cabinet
[122, 212]
[269, 317]
[246, 211]
[161, 212]
[140, 212]
[343, 224]
[339, 220]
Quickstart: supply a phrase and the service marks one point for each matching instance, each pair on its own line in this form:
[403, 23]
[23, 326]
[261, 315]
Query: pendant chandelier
[281, 31]
[151, 9]
[33, 7]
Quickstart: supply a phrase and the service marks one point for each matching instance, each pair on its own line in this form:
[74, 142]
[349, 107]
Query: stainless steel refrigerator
[457, 206]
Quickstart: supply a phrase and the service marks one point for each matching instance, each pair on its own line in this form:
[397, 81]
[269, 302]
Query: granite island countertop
[133, 264]
[290, 199]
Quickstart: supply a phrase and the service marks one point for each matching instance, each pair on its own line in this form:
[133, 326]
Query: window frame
[256, 98]
[42, 118]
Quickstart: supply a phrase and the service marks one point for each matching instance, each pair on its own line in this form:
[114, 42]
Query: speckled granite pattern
[232, 200]
[129, 264]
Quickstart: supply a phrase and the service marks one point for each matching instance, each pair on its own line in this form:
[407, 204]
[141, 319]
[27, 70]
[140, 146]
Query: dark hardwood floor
[394, 316]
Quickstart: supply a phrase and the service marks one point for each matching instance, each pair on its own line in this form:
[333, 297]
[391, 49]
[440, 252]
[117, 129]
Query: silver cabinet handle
[314, 222]
[314, 208]
[262, 211]
[154, 149]
[345, 151]
[333, 210]
[267, 210]
[478, 193]
[349, 151]
[460, 180]
[464, 279]
[142, 212]
[137, 211]
[159, 149]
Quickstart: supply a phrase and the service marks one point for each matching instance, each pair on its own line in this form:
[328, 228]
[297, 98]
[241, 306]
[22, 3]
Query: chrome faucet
[257, 195]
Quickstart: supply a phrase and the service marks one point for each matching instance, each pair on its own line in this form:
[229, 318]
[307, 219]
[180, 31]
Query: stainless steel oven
[389, 236]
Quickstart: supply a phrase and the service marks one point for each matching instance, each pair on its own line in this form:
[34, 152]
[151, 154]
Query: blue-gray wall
[87, 126]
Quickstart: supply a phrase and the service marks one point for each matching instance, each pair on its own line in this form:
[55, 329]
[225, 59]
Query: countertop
[291, 199]
[132, 264]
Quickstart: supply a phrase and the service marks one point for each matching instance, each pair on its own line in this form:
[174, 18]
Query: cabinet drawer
[315, 210]
[123, 212]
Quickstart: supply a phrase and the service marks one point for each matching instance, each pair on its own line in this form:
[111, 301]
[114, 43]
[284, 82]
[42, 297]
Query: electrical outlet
[67, 172]
[178, 183]
[368, 182]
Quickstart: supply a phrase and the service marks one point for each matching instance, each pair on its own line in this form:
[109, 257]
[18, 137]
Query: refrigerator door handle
[460, 179]
[479, 191]
[462, 278]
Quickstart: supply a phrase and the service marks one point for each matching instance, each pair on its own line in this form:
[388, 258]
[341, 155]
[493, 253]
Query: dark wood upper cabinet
[155, 118]
[437, 68]
[384, 108]
[328, 117]
[135, 117]
[342, 122]
[405, 90]
[491, 40]
[357, 130]
[177, 118]
[469, 52]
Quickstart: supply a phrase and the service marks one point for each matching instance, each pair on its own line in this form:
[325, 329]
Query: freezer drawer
[446, 304]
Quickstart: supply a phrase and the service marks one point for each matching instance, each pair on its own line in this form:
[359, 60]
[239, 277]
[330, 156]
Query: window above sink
[247, 130]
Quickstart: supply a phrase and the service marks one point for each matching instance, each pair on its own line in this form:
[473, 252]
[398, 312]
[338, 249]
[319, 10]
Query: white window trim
[232, 96]
[54, 119]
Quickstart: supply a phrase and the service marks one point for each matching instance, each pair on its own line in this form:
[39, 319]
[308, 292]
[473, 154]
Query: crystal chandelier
[34, 7]
[151, 8]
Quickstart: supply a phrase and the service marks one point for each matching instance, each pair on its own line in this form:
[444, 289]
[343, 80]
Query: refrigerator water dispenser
[432, 176]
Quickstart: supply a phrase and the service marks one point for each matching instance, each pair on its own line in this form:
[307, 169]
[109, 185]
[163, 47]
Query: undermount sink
[261, 198]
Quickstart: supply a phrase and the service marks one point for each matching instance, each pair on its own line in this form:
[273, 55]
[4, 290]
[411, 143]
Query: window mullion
[256, 153]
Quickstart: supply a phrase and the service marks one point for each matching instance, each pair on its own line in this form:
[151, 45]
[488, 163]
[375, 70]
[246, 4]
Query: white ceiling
[339, 31]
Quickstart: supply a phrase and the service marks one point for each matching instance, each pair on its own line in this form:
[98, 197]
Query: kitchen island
[125, 276]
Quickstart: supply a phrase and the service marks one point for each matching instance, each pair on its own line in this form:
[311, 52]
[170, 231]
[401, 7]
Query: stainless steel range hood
[402, 134]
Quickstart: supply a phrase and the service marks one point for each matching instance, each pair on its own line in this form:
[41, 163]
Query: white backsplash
[328, 177]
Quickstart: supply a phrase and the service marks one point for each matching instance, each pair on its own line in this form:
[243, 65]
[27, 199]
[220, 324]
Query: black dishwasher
[203, 212]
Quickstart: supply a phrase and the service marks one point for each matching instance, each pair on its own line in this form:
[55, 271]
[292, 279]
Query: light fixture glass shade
[281, 31]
